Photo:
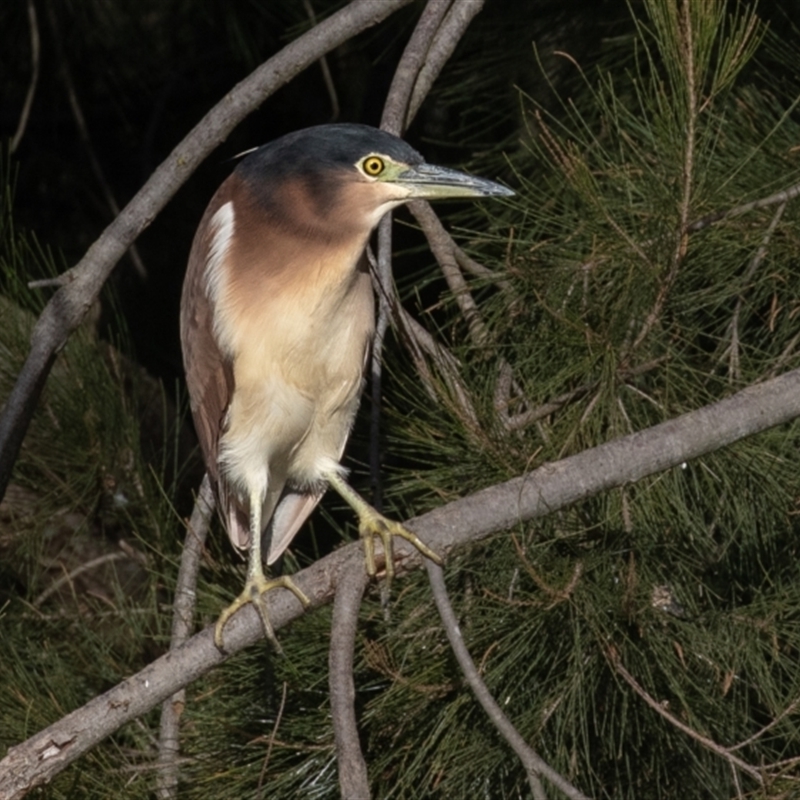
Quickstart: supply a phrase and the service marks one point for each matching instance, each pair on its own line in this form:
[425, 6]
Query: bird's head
[348, 176]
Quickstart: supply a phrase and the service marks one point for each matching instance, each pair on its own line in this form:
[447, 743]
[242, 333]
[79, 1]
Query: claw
[254, 590]
[372, 524]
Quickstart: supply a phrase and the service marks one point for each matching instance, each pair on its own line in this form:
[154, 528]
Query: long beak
[429, 182]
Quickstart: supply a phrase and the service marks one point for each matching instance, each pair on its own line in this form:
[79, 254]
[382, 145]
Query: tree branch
[31, 93]
[395, 111]
[710, 744]
[182, 625]
[352, 581]
[71, 302]
[783, 196]
[393, 120]
[533, 763]
[540, 492]
[443, 249]
[444, 44]
[732, 350]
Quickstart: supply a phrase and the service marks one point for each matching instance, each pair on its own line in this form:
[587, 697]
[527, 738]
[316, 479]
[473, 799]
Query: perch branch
[546, 489]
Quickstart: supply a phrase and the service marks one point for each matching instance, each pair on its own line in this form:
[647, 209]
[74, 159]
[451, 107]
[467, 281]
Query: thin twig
[502, 391]
[271, 742]
[386, 292]
[687, 45]
[395, 111]
[758, 734]
[377, 658]
[660, 709]
[83, 135]
[784, 357]
[557, 595]
[533, 763]
[353, 779]
[419, 342]
[182, 626]
[45, 283]
[442, 247]
[557, 403]
[87, 566]
[479, 270]
[31, 93]
[755, 263]
[444, 250]
[783, 196]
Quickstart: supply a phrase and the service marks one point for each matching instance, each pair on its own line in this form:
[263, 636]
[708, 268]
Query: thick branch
[540, 492]
[69, 305]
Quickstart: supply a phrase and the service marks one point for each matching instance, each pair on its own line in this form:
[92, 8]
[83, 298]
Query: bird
[277, 318]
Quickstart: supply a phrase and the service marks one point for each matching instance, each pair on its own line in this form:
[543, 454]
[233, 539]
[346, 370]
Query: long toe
[254, 590]
[372, 524]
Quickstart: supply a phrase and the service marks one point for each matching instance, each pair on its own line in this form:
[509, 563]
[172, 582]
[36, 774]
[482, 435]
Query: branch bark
[182, 624]
[71, 302]
[393, 120]
[353, 779]
[542, 491]
[535, 766]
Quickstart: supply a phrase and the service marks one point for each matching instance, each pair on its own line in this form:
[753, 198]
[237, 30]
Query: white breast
[299, 344]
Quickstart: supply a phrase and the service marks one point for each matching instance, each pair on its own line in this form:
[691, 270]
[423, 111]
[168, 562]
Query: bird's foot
[372, 524]
[254, 590]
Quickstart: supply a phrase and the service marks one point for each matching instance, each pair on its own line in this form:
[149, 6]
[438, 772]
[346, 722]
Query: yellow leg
[257, 585]
[372, 523]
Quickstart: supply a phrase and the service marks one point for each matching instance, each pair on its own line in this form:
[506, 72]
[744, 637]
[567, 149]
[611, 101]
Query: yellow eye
[373, 166]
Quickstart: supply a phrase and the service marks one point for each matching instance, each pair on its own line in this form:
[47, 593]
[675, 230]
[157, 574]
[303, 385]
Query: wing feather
[209, 372]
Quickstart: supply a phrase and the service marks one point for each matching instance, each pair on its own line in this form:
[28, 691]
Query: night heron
[276, 323]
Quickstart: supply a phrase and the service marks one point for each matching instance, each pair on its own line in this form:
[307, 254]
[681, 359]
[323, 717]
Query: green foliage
[612, 314]
[88, 541]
